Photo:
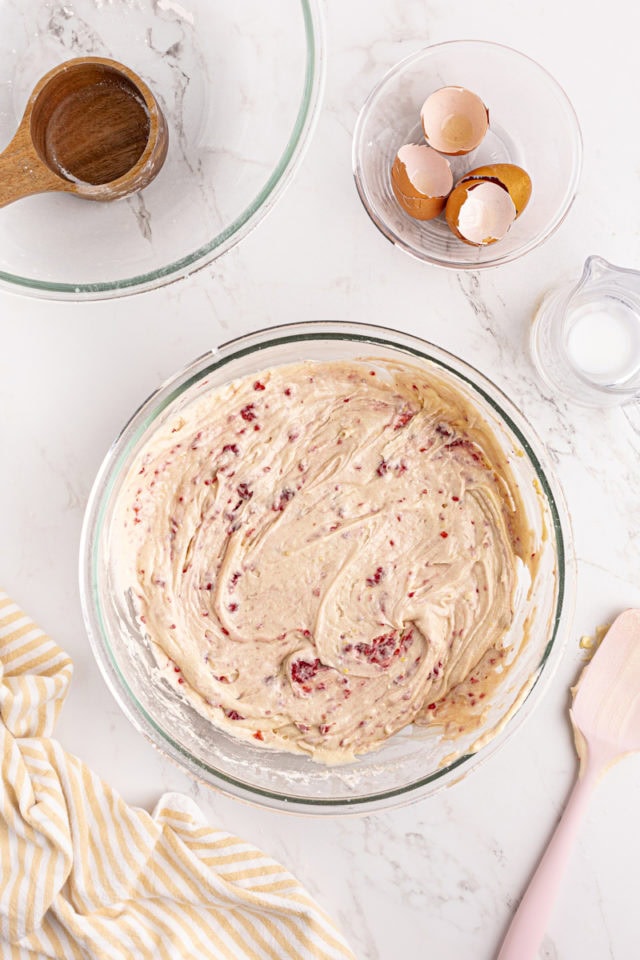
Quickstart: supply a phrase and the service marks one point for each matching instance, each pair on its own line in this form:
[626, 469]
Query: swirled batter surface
[325, 553]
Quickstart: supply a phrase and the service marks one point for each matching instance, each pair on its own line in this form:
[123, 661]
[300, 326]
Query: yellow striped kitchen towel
[83, 875]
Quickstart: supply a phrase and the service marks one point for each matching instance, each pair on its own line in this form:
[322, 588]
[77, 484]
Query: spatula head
[606, 706]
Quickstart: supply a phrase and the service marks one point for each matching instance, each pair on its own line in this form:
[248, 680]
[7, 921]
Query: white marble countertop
[438, 878]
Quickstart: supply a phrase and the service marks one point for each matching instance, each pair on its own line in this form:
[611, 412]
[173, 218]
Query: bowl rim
[280, 177]
[459, 264]
[175, 386]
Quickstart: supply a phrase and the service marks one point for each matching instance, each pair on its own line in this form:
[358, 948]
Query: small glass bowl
[239, 85]
[532, 124]
[413, 763]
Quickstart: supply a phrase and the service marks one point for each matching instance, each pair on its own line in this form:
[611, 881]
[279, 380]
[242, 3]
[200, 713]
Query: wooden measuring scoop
[91, 127]
[606, 722]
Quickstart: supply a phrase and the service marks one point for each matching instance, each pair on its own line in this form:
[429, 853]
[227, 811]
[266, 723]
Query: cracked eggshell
[514, 179]
[454, 120]
[421, 180]
[480, 211]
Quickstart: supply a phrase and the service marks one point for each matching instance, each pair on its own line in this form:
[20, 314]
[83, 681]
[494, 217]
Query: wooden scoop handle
[22, 172]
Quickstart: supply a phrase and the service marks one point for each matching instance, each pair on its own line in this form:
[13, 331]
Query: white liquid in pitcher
[603, 341]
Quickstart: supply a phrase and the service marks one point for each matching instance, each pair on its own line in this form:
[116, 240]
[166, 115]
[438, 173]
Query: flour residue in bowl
[325, 553]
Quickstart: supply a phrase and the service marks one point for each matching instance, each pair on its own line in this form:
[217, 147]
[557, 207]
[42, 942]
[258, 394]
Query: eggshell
[479, 212]
[454, 120]
[421, 180]
[516, 180]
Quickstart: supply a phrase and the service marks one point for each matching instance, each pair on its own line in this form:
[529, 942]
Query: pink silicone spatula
[606, 723]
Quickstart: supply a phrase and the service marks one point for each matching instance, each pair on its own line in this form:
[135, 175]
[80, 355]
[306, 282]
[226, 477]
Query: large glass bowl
[531, 124]
[413, 763]
[239, 84]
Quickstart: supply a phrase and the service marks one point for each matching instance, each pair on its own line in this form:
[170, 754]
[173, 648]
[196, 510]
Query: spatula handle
[530, 920]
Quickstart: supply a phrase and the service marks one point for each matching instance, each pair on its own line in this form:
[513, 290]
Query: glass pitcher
[585, 339]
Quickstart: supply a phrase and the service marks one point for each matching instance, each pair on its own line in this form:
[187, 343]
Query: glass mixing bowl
[532, 124]
[414, 762]
[239, 84]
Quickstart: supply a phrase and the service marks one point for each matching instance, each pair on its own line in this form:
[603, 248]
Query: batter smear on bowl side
[325, 553]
